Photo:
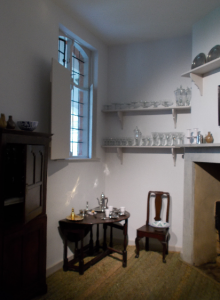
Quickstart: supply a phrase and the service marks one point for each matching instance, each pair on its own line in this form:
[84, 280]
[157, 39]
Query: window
[77, 59]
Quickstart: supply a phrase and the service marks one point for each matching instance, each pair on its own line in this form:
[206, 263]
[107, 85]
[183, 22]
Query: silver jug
[103, 202]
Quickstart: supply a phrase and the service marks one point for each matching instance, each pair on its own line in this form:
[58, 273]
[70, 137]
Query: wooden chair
[148, 231]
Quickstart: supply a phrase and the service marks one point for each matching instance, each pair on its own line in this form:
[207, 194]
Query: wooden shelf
[198, 73]
[173, 148]
[120, 150]
[172, 109]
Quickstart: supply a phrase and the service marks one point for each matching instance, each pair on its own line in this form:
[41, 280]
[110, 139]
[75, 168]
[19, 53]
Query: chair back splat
[158, 205]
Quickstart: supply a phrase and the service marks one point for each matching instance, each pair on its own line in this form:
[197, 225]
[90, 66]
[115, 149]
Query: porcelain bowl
[27, 125]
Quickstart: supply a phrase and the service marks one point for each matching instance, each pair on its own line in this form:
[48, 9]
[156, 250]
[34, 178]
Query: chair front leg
[167, 250]
[137, 246]
[164, 251]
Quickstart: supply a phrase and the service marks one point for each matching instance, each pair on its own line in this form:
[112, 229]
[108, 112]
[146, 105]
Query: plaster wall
[29, 34]
[148, 71]
[205, 35]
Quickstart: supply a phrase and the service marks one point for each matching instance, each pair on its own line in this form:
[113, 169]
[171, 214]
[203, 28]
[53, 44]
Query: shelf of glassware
[173, 109]
[173, 148]
[198, 73]
[120, 150]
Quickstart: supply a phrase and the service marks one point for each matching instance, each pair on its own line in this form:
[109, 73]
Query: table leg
[97, 238]
[125, 232]
[91, 242]
[81, 261]
[111, 237]
[65, 260]
[104, 242]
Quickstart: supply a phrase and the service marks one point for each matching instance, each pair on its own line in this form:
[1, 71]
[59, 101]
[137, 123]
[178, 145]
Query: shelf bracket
[174, 155]
[198, 80]
[174, 116]
[120, 154]
[120, 116]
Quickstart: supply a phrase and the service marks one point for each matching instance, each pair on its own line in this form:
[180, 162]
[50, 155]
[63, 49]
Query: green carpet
[145, 277]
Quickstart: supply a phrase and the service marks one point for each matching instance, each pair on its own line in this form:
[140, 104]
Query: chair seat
[160, 233]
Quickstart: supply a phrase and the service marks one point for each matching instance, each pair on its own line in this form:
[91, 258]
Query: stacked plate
[214, 53]
[201, 58]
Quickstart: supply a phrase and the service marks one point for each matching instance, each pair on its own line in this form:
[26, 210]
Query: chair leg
[137, 246]
[111, 238]
[164, 251]
[147, 244]
[167, 248]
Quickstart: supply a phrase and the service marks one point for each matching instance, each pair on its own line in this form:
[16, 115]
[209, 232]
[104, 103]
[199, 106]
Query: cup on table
[110, 207]
[107, 213]
[122, 209]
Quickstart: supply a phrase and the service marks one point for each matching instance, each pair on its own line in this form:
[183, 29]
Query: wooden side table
[76, 231]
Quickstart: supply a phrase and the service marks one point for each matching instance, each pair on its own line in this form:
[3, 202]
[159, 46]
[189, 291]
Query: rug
[146, 277]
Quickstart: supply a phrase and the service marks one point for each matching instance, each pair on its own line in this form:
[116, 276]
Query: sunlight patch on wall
[96, 183]
[106, 170]
[72, 194]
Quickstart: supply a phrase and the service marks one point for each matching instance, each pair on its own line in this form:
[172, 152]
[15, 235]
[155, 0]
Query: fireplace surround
[201, 191]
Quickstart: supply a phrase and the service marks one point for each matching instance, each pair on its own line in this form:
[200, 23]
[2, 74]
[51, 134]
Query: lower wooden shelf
[173, 149]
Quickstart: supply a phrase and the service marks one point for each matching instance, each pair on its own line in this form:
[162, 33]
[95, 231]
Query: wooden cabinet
[23, 220]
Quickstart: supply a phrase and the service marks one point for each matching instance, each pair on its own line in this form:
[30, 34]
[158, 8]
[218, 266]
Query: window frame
[88, 140]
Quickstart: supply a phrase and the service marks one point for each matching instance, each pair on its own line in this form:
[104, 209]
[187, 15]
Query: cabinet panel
[34, 252]
[24, 260]
[34, 181]
[12, 261]
[14, 171]
[23, 221]
[35, 155]
[33, 201]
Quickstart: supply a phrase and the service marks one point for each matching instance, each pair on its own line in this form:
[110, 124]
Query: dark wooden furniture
[23, 220]
[76, 231]
[148, 231]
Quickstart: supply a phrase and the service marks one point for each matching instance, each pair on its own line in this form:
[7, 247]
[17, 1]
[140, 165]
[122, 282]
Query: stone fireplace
[201, 191]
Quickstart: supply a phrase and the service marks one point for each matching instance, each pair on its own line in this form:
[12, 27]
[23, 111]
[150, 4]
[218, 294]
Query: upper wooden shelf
[198, 73]
[173, 109]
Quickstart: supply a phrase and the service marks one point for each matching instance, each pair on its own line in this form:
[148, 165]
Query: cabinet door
[34, 181]
[12, 261]
[34, 255]
[24, 261]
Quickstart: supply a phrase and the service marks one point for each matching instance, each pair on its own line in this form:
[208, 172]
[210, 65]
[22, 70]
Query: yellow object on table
[72, 214]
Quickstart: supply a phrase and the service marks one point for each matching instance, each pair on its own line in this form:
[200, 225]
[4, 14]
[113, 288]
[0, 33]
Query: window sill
[82, 159]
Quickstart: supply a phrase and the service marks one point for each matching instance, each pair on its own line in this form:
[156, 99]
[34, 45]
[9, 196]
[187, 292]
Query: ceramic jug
[209, 138]
[10, 123]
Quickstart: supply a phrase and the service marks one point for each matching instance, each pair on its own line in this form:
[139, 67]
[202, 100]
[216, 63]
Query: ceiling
[127, 21]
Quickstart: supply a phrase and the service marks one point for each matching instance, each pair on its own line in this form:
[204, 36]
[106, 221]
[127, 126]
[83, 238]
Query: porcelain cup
[122, 209]
[107, 213]
[110, 207]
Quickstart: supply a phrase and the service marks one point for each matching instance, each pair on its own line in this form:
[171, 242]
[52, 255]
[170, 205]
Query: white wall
[29, 39]
[147, 72]
[205, 36]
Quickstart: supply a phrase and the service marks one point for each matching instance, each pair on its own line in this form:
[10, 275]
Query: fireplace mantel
[207, 145]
